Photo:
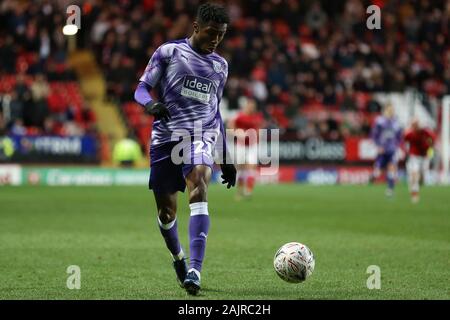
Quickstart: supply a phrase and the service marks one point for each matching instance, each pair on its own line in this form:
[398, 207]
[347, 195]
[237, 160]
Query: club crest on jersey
[197, 88]
[217, 66]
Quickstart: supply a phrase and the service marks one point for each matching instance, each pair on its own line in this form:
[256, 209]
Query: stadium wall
[55, 149]
[85, 149]
[13, 174]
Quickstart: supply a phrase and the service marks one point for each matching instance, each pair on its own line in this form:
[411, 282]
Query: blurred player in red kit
[419, 146]
[246, 124]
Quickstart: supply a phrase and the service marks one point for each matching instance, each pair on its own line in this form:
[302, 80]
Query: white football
[294, 262]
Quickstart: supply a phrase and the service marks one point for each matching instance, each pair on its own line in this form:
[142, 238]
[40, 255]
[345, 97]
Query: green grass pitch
[111, 234]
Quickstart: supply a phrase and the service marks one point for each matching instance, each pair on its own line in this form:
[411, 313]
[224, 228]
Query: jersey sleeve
[142, 95]
[157, 65]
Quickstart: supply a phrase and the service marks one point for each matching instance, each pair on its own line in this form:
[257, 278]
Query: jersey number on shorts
[199, 147]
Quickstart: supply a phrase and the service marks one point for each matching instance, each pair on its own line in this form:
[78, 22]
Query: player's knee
[391, 170]
[166, 214]
[198, 193]
[198, 183]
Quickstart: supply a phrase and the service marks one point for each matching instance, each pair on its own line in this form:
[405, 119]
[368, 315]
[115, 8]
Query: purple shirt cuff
[142, 94]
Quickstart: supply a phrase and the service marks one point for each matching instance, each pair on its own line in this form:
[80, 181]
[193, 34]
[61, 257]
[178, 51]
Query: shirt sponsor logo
[197, 88]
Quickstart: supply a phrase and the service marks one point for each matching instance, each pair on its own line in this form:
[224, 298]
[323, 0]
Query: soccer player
[419, 144]
[246, 124]
[191, 78]
[387, 135]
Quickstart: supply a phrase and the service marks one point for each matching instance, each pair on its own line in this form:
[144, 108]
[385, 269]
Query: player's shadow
[212, 290]
[204, 293]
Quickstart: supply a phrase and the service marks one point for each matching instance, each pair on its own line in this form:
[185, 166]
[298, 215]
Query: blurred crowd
[311, 65]
[296, 58]
[38, 90]
[31, 41]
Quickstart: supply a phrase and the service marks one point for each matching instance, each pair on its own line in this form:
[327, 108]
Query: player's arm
[431, 138]
[228, 169]
[152, 75]
[375, 136]
[398, 142]
[154, 108]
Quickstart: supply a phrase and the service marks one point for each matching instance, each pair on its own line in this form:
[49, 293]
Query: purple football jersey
[191, 86]
[387, 133]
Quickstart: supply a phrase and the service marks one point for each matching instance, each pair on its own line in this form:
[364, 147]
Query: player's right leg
[424, 170]
[250, 181]
[389, 161]
[376, 172]
[413, 168]
[166, 179]
[251, 168]
[197, 180]
[239, 160]
[391, 174]
[167, 220]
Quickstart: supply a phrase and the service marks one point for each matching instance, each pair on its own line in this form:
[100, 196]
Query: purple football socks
[170, 233]
[198, 231]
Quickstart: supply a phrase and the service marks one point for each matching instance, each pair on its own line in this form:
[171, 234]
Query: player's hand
[380, 150]
[158, 110]
[228, 175]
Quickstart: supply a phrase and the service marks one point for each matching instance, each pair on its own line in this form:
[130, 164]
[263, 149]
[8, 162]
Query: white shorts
[245, 154]
[417, 164]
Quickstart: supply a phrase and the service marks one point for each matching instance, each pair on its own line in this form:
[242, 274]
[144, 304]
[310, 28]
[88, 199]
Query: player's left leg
[391, 176]
[166, 179]
[252, 162]
[197, 181]
[376, 171]
[167, 219]
[166, 204]
[251, 179]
